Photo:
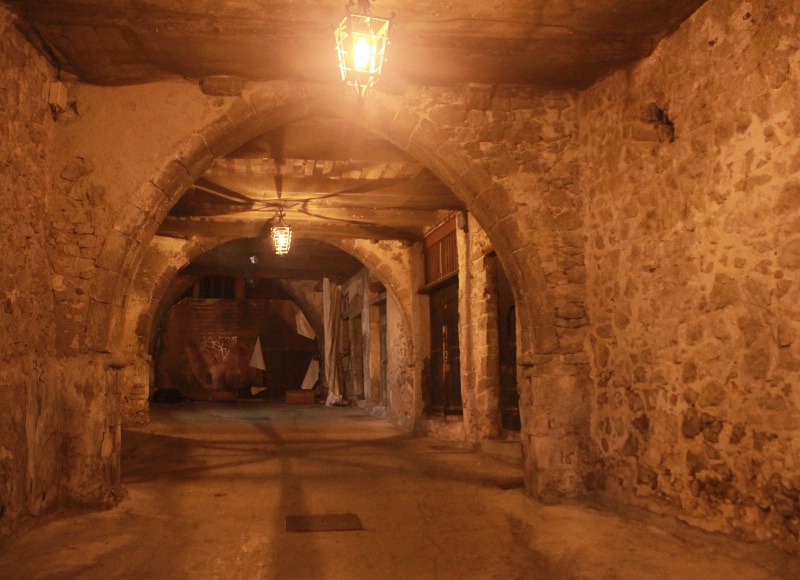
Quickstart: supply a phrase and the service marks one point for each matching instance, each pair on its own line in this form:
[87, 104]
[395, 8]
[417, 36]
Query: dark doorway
[507, 330]
[357, 357]
[384, 354]
[444, 379]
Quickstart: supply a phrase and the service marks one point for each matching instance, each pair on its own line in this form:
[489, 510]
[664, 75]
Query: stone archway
[552, 432]
[269, 106]
[156, 287]
[376, 257]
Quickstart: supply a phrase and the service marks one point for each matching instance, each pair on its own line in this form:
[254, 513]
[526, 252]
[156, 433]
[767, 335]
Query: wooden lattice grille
[441, 253]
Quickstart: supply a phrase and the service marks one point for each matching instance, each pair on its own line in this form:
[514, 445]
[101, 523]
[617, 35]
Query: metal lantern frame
[359, 69]
[281, 236]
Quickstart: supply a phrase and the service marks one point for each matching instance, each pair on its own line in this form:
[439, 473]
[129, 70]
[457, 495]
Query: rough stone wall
[158, 274]
[401, 387]
[478, 340]
[527, 142]
[366, 339]
[87, 428]
[478, 327]
[692, 197]
[28, 453]
[391, 262]
[376, 302]
[467, 310]
[79, 220]
[353, 301]
[59, 434]
[107, 146]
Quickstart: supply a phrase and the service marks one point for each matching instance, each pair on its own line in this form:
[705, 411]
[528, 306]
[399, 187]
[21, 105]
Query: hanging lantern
[361, 42]
[281, 236]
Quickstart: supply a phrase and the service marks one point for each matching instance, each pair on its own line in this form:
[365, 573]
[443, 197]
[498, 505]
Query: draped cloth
[332, 312]
[312, 375]
[303, 326]
[257, 358]
[257, 362]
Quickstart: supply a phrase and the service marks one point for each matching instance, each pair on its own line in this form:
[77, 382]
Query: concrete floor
[210, 486]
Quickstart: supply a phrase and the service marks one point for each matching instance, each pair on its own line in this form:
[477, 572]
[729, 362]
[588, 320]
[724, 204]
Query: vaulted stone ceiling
[332, 178]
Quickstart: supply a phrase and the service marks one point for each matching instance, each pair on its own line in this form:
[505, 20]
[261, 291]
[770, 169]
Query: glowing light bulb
[363, 54]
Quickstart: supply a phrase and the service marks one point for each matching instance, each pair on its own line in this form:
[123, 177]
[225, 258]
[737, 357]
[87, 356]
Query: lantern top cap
[363, 6]
[364, 9]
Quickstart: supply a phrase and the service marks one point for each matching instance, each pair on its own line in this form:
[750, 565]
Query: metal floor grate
[323, 523]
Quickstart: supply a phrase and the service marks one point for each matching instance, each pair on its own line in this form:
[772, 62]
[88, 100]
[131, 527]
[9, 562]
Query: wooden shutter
[441, 253]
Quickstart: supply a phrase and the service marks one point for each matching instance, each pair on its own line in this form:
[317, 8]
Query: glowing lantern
[361, 42]
[281, 236]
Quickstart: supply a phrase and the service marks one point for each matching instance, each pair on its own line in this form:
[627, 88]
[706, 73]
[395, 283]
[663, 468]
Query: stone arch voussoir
[374, 258]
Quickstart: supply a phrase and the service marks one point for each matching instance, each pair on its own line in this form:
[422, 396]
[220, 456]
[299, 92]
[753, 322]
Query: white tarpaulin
[257, 359]
[303, 326]
[312, 375]
[332, 303]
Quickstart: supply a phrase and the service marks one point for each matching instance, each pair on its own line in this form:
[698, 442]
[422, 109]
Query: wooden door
[384, 354]
[444, 380]
[507, 330]
[357, 357]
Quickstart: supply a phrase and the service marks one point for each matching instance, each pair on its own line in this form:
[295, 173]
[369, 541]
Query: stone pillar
[90, 429]
[554, 428]
[135, 391]
[481, 338]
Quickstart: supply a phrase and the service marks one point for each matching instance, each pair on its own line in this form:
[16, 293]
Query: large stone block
[98, 332]
[492, 206]
[426, 140]
[106, 285]
[171, 181]
[403, 127]
[451, 162]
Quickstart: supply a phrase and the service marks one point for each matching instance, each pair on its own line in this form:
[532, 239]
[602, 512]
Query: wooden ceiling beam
[275, 273]
[185, 228]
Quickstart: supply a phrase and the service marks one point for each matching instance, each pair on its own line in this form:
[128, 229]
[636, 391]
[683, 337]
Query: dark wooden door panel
[444, 380]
